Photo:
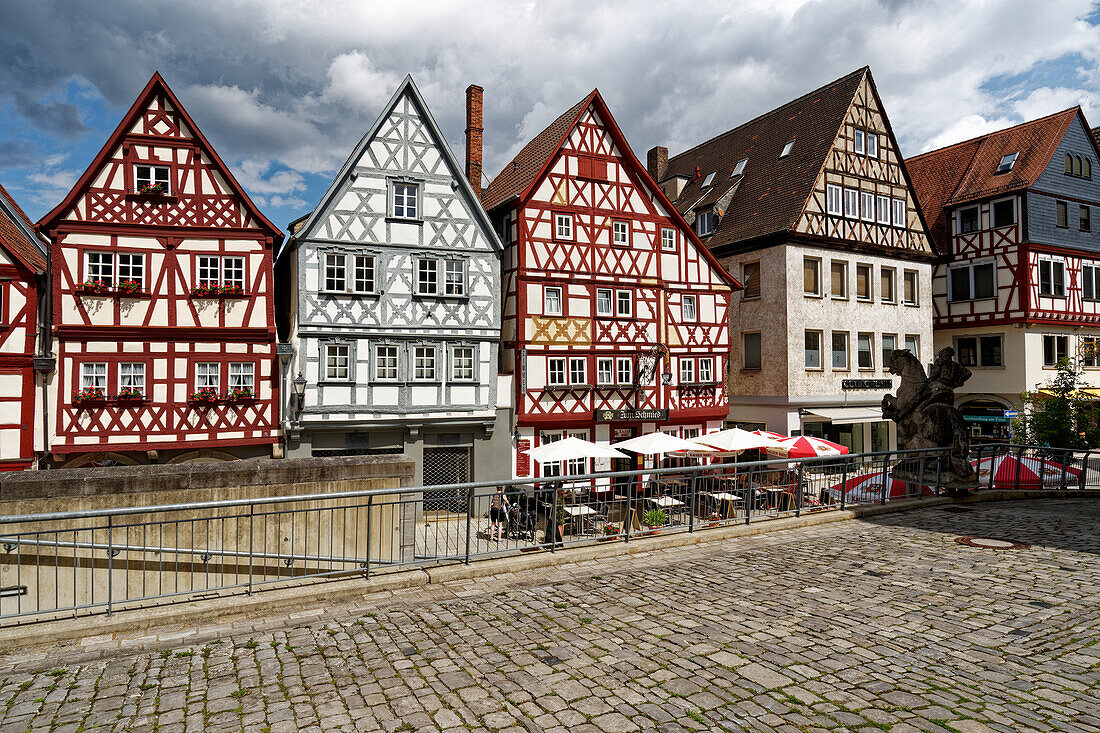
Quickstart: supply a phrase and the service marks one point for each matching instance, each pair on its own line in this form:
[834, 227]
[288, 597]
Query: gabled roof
[530, 165]
[17, 235]
[156, 84]
[773, 191]
[967, 171]
[301, 227]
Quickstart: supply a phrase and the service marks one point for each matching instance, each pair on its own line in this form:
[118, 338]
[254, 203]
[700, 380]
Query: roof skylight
[708, 180]
[786, 149]
[1007, 162]
[739, 168]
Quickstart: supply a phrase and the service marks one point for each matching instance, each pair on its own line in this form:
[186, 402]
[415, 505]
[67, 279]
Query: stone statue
[924, 410]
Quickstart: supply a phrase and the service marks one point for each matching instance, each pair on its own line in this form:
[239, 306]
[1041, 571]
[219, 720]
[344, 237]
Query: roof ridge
[834, 82]
[987, 135]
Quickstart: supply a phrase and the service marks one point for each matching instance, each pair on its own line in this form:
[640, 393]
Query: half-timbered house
[22, 275]
[810, 205]
[395, 307]
[1018, 286]
[616, 317]
[163, 317]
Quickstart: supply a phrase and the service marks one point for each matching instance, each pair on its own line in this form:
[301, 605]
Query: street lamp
[299, 385]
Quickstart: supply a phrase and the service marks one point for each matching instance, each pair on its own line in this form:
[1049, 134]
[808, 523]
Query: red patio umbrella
[1032, 472]
[868, 488]
[804, 446]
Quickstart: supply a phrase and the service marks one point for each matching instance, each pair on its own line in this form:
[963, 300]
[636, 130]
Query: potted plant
[239, 394]
[131, 393]
[204, 290]
[204, 394]
[654, 519]
[152, 189]
[96, 287]
[611, 531]
[128, 287]
[230, 289]
[89, 394]
[713, 519]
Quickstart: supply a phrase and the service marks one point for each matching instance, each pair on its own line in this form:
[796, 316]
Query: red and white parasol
[804, 446]
[1031, 472]
[868, 488]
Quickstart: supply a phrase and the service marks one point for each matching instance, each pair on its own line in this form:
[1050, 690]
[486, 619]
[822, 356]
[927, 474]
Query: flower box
[90, 396]
[206, 395]
[216, 290]
[95, 287]
[240, 394]
[152, 189]
[130, 394]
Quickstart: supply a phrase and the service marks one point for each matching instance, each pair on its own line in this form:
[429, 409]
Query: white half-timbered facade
[395, 305]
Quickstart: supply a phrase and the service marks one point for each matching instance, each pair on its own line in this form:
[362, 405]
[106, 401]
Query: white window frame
[706, 369]
[1054, 264]
[133, 267]
[549, 308]
[1090, 282]
[870, 297]
[807, 351]
[332, 358]
[851, 203]
[242, 374]
[704, 217]
[364, 274]
[624, 370]
[786, 149]
[605, 302]
[427, 273]
[578, 376]
[690, 308]
[387, 366]
[972, 295]
[208, 375]
[834, 199]
[687, 370]
[1015, 212]
[463, 363]
[668, 239]
[1056, 339]
[843, 294]
[100, 267]
[892, 273]
[866, 206]
[131, 374]
[914, 339]
[872, 145]
[334, 275]
[745, 352]
[899, 209]
[846, 351]
[905, 277]
[882, 209]
[816, 293]
[869, 338]
[739, 168]
[605, 371]
[401, 206]
[425, 364]
[620, 311]
[152, 174]
[557, 374]
[858, 137]
[620, 233]
[892, 338]
[563, 227]
[977, 219]
[93, 375]
[454, 287]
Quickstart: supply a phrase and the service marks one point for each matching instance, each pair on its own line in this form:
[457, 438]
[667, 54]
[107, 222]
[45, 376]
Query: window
[883, 210]
[462, 364]
[889, 344]
[751, 345]
[1062, 209]
[605, 370]
[335, 272]
[427, 276]
[858, 140]
[624, 370]
[131, 268]
[708, 180]
[1086, 169]
[750, 280]
[591, 168]
[551, 301]
[1090, 282]
[864, 282]
[834, 200]
[704, 223]
[1086, 223]
[867, 205]
[1007, 162]
[555, 371]
[813, 349]
[577, 370]
[363, 281]
[899, 213]
[912, 344]
[454, 282]
[151, 179]
[811, 276]
[242, 375]
[424, 363]
[337, 362]
[691, 313]
[405, 200]
[668, 239]
[131, 376]
[563, 226]
[687, 371]
[1090, 351]
[971, 282]
[623, 306]
[872, 145]
[1052, 277]
[840, 350]
[838, 271]
[93, 375]
[739, 168]
[787, 149]
[385, 363]
[1055, 348]
[968, 220]
[1077, 166]
[865, 351]
[909, 287]
[603, 302]
[706, 370]
[887, 280]
[233, 271]
[620, 233]
[1004, 213]
[210, 270]
[967, 350]
[207, 375]
[979, 351]
[851, 203]
[100, 267]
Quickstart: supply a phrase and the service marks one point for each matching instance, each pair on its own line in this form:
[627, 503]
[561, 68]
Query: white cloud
[253, 175]
[965, 128]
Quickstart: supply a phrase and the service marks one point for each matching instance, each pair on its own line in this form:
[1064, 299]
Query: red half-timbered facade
[616, 317]
[162, 305]
[22, 269]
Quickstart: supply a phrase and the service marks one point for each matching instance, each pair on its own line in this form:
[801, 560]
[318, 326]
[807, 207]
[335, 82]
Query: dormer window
[708, 180]
[704, 223]
[787, 149]
[1007, 162]
[739, 168]
[151, 179]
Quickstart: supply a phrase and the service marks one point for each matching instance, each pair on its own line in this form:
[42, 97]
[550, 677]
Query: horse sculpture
[924, 410]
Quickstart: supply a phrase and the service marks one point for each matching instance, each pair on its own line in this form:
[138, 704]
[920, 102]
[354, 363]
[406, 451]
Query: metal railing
[71, 563]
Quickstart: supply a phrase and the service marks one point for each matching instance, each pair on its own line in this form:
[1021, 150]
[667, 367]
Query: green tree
[1058, 414]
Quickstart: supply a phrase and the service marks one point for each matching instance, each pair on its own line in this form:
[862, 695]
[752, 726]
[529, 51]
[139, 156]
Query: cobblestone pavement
[883, 624]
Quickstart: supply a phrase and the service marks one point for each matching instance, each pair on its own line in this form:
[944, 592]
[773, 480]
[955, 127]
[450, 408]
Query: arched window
[1086, 169]
[1069, 164]
[1077, 166]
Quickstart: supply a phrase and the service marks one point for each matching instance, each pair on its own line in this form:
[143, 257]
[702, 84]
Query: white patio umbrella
[736, 440]
[569, 449]
[659, 443]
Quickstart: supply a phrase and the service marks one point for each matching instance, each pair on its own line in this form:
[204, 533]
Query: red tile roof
[14, 238]
[772, 191]
[967, 171]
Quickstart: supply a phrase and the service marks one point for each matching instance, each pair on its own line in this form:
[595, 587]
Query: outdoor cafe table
[663, 501]
[581, 512]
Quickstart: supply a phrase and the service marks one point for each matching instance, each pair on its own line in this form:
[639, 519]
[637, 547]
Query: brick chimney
[657, 162]
[474, 131]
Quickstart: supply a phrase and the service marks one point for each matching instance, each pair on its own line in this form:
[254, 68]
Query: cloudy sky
[283, 89]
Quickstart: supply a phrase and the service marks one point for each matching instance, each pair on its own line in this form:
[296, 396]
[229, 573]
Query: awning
[1085, 393]
[846, 415]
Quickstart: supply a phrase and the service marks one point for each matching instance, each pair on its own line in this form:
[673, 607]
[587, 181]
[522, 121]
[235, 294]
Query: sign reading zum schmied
[622, 415]
[866, 384]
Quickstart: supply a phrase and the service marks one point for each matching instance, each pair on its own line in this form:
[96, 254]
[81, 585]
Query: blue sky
[284, 89]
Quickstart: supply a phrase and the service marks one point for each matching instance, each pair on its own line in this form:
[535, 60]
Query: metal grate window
[445, 466]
